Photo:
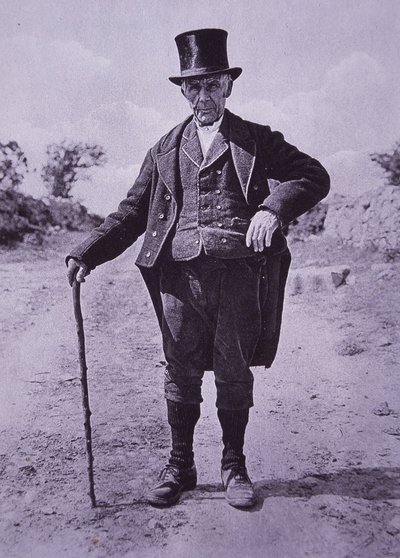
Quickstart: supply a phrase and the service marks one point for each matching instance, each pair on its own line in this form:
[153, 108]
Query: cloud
[125, 130]
[357, 107]
[352, 173]
[45, 81]
[106, 188]
[54, 90]
[354, 112]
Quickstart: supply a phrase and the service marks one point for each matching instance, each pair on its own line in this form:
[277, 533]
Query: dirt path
[323, 449]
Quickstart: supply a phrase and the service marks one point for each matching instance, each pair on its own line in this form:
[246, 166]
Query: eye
[194, 88]
[213, 86]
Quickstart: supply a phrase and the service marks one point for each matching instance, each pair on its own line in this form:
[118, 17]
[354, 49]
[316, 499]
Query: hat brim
[234, 72]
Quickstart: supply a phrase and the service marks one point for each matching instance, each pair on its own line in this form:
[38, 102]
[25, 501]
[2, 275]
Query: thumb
[80, 276]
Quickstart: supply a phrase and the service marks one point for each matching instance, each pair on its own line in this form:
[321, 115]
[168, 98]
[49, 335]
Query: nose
[203, 94]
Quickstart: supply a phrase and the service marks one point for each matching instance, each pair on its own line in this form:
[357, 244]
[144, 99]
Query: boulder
[315, 279]
[371, 220]
[24, 217]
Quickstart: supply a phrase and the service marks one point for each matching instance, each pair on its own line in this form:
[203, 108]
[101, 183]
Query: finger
[272, 229]
[261, 238]
[256, 234]
[268, 237]
[249, 234]
[80, 276]
[71, 273]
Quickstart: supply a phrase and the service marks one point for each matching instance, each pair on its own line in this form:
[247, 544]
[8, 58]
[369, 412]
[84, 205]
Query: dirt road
[323, 444]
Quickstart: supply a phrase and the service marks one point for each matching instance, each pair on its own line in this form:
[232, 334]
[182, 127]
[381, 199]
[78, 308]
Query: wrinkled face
[207, 96]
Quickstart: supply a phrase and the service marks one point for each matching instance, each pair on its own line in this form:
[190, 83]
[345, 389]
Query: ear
[183, 90]
[229, 89]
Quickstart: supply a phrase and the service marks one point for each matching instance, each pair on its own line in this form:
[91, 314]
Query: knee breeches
[211, 313]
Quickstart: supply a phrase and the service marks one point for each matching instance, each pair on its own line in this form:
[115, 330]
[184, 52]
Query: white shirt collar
[214, 127]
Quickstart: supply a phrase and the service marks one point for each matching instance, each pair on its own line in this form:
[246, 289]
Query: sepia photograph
[199, 277]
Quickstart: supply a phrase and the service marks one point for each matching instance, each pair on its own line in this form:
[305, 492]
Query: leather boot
[239, 490]
[173, 481]
[180, 474]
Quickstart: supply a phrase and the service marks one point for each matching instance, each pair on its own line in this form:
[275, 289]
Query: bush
[13, 165]
[67, 162]
[390, 162]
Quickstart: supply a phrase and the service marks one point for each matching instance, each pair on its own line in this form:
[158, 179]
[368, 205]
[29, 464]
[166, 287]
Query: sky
[326, 73]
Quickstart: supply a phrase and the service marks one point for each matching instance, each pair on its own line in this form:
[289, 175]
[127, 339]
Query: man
[214, 257]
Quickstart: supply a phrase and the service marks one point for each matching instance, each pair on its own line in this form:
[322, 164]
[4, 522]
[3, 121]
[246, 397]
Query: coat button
[167, 197]
[255, 187]
[219, 171]
[217, 191]
[223, 240]
[154, 233]
[148, 254]
[197, 241]
[220, 225]
[161, 216]
[219, 207]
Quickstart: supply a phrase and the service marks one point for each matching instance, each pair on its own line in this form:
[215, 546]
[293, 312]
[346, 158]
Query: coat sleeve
[303, 181]
[120, 229]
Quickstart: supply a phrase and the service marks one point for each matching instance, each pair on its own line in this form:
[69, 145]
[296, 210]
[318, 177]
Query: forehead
[204, 80]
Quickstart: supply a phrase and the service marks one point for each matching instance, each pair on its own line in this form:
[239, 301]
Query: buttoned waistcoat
[213, 213]
[152, 204]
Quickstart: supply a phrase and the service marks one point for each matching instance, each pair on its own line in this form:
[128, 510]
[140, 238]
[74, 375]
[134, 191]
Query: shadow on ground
[368, 484]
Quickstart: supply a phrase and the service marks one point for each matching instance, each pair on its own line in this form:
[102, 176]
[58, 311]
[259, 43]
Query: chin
[207, 119]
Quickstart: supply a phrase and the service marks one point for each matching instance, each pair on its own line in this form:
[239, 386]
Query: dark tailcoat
[152, 206]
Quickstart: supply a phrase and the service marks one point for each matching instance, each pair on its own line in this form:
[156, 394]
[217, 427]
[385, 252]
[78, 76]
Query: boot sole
[242, 503]
[164, 503]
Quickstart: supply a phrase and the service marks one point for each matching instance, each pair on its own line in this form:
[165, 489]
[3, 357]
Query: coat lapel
[169, 170]
[243, 149]
[217, 148]
[191, 144]
[167, 158]
[233, 130]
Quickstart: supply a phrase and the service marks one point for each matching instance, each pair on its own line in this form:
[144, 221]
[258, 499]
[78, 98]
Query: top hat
[203, 52]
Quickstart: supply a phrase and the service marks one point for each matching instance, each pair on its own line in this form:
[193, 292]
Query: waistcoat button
[148, 254]
[167, 197]
[219, 171]
[219, 207]
[223, 240]
[161, 216]
[154, 233]
[217, 191]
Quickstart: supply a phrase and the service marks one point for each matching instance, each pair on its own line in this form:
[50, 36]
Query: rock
[348, 347]
[394, 526]
[47, 510]
[339, 278]
[392, 431]
[28, 470]
[371, 220]
[310, 224]
[24, 218]
[154, 524]
[382, 410]
[384, 342]
[316, 279]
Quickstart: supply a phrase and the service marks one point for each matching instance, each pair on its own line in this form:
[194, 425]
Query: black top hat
[203, 52]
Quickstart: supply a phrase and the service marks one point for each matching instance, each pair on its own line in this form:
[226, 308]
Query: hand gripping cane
[76, 292]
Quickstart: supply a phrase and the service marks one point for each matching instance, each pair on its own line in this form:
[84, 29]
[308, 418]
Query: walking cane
[76, 293]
